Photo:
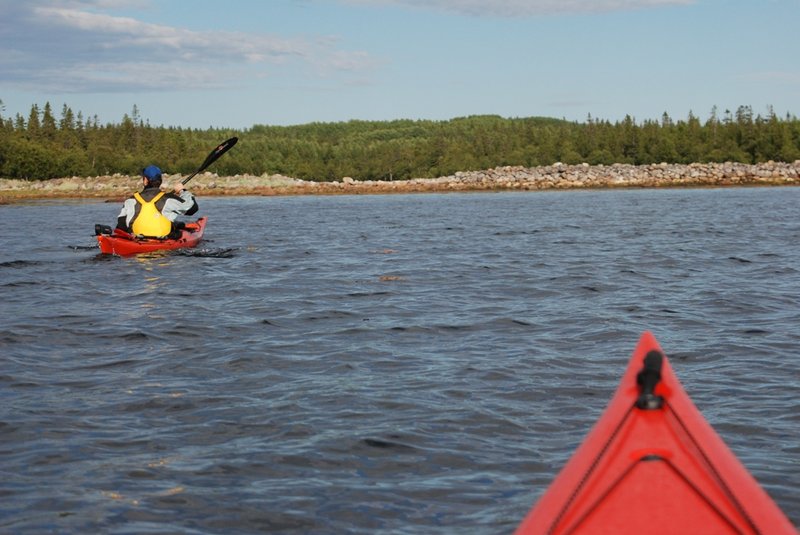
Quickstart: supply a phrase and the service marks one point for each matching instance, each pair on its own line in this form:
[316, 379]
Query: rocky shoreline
[556, 176]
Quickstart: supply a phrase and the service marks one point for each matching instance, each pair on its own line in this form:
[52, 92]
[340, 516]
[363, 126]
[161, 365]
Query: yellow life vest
[150, 222]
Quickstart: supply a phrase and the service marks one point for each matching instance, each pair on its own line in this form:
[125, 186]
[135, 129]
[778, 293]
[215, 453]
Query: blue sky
[239, 63]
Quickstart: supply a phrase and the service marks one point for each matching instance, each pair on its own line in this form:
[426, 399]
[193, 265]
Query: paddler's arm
[181, 203]
[126, 215]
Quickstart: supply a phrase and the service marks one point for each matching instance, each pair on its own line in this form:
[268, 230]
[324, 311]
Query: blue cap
[151, 172]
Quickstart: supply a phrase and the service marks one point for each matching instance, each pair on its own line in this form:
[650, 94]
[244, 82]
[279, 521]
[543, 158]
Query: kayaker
[152, 212]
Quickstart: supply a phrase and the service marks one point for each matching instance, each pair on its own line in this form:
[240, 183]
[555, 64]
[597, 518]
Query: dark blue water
[392, 364]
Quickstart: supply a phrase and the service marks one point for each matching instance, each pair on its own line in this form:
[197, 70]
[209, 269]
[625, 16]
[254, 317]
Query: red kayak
[123, 244]
[653, 465]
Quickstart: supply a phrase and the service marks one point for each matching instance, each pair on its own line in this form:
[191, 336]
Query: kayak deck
[123, 244]
[653, 464]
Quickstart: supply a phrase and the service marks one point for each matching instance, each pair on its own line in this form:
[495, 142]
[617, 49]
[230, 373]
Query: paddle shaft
[221, 149]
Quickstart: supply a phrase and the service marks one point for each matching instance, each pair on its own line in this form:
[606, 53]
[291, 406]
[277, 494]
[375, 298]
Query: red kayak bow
[653, 465]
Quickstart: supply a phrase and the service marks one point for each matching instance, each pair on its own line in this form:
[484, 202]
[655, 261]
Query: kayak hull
[653, 464]
[124, 244]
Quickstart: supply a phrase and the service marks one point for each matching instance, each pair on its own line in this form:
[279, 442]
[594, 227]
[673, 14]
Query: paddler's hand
[178, 188]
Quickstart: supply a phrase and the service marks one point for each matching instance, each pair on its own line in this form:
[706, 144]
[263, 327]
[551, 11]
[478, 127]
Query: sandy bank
[556, 176]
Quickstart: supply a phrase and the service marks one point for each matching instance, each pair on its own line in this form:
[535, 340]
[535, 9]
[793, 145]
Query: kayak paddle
[221, 149]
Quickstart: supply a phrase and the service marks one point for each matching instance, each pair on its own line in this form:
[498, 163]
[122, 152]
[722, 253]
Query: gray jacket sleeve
[128, 211]
[174, 207]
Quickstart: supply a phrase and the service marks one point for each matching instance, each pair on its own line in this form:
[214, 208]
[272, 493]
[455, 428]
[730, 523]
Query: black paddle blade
[221, 149]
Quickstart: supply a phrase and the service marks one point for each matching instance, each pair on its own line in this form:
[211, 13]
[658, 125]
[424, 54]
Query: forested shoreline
[43, 146]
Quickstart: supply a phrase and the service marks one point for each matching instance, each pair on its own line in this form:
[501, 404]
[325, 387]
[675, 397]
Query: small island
[557, 176]
[75, 157]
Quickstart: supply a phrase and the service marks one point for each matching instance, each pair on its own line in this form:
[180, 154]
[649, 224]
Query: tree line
[43, 145]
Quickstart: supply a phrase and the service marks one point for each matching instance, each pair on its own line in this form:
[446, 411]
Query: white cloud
[526, 8]
[76, 46]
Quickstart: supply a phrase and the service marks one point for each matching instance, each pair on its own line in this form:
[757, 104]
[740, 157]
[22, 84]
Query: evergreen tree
[34, 125]
[48, 126]
[42, 147]
[67, 122]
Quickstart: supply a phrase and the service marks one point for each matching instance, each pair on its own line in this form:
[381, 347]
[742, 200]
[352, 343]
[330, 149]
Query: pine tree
[67, 121]
[34, 125]
[48, 126]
